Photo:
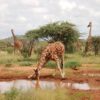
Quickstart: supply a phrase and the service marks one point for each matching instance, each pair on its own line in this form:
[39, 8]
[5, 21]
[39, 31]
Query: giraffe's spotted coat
[53, 51]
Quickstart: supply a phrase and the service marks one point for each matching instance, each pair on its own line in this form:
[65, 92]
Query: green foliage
[58, 31]
[45, 94]
[9, 50]
[6, 46]
[8, 64]
[26, 51]
[11, 95]
[96, 44]
[26, 63]
[81, 96]
[72, 64]
[37, 94]
[51, 64]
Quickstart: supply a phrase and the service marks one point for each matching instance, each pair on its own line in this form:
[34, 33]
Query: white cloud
[66, 5]
[40, 10]
[22, 19]
[3, 7]
[50, 18]
[30, 2]
[23, 15]
[98, 1]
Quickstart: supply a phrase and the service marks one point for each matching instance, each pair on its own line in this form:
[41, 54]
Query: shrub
[8, 64]
[11, 95]
[26, 63]
[51, 64]
[72, 64]
[37, 94]
[96, 44]
[9, 50]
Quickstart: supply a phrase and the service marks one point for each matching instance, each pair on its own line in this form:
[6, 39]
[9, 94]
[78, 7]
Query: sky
[24, 15]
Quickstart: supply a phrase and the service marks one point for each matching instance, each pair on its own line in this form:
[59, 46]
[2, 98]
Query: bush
[8, 65]
[51, 64]
[96, 44]
[37, 94]
[9, 50]
[26, 63]
[72, 64]
[24, 52]
[11, 95]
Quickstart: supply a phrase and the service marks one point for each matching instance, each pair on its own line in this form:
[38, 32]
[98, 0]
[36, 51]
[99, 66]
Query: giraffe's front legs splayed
[30, 76]
[35, 74]
[59, 68]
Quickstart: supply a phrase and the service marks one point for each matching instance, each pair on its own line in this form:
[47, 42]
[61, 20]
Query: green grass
[81, 96]
[82, 59]
[36, 94]
[8, 65]
[25, 63]
[72, 64]
[11, 59]
[44, 94]
[51, 64]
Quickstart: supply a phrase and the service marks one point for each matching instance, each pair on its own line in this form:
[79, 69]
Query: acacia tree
[58, 31]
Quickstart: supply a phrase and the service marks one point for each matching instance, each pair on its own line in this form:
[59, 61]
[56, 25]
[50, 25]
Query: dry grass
[44, 94]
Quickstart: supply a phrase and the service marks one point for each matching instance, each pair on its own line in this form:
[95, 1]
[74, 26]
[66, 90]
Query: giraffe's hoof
[30, 76]
[63, 75]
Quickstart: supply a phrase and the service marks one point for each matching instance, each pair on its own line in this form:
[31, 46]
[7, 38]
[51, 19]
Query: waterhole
[29, 84]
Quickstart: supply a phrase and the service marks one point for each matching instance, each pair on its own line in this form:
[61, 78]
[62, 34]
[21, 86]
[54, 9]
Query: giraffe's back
[53, 49]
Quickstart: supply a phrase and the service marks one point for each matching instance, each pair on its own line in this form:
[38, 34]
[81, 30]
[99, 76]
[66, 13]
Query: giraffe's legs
[62, 65]
[59, 68]
[36, 73]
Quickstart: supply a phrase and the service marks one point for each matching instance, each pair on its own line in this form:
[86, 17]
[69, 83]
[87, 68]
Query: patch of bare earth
[82, 75]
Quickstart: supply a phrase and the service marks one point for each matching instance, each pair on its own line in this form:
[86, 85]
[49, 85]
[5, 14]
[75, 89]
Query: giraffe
[89, 39]
[53, 51]
[18, 44]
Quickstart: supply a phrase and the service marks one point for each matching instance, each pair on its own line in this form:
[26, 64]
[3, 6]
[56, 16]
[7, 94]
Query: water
[28, 84]
[92, 75]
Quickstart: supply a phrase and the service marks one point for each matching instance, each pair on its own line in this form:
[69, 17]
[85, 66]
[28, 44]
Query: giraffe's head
[12, 30]
[36, 73]
[90, 24]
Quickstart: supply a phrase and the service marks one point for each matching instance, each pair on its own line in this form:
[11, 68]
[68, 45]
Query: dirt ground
[84, 74]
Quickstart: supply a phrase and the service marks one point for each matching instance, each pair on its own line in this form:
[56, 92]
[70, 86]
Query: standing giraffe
[53, 51]
[18, 44]
[88, 46]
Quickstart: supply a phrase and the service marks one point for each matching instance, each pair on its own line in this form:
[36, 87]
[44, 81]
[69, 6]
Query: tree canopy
[58, 31]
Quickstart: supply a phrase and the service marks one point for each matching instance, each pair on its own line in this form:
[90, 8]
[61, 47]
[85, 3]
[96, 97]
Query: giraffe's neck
[41, 62]
[90, 31]
[14, 37]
